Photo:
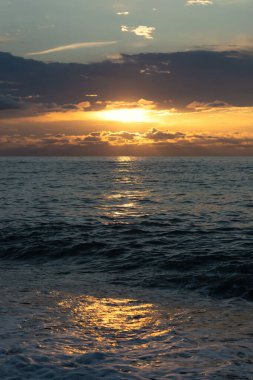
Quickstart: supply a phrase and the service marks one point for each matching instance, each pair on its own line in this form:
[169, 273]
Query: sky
[135, 77]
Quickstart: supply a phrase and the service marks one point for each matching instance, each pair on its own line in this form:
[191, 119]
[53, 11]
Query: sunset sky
[135, 77]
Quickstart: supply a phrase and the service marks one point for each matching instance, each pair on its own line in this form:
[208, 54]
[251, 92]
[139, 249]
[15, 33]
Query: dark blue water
[176, 223]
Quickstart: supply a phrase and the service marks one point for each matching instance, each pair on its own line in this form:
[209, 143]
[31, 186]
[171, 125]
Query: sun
[126, 115]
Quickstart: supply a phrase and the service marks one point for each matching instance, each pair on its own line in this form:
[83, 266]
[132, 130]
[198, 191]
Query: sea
[126, 268]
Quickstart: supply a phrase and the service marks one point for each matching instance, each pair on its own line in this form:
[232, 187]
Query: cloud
[200, 106]
[10, 102]
[122, 13]
[141, 31]
[152, 142]
[91, 95]
[141, 103]
[155, 134]
[121, 136]
[14, 106]
[78, 45]
[187, 81]
[26, 104]
[199, 2]
[154, 70]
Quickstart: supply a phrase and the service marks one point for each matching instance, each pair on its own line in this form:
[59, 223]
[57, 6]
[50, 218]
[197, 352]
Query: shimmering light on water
[110, 317]
[126, 268]
[50, 329]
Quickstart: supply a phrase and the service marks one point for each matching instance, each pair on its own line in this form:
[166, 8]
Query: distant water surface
[126, 268]
[160, 222]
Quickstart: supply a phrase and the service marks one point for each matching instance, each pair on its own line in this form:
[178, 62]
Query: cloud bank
[151, 142]
[173, 79]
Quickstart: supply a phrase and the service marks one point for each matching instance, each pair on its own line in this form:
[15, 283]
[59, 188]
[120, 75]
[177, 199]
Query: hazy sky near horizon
[85, 31]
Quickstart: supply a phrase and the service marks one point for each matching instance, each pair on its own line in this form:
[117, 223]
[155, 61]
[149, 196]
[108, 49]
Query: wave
[217, 262]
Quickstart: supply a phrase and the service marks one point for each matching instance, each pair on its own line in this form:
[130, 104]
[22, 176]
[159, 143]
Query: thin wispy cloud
[74, 46]
[199, 2]
[141, 31]
[122, 13]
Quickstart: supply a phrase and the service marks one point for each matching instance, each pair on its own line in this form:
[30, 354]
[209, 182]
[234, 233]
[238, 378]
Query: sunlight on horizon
[127, 115]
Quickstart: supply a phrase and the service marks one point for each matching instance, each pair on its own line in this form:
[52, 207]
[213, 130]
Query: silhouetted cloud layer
[152, 142]
[183, 80]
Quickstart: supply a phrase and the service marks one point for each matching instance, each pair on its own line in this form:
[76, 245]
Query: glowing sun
[126, 115]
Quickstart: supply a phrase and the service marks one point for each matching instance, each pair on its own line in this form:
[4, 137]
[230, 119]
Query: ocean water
[126, 268]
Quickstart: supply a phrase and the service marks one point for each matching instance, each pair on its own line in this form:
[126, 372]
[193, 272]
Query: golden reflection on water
[122, 205]
[124, 200]
[108, 322]
[125, 159]
[110, 314]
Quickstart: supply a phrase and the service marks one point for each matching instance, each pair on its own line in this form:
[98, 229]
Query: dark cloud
[204, 106]
[178, 79]
[122, 135]
[92, 139]
[9, 102]
[155, 134]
